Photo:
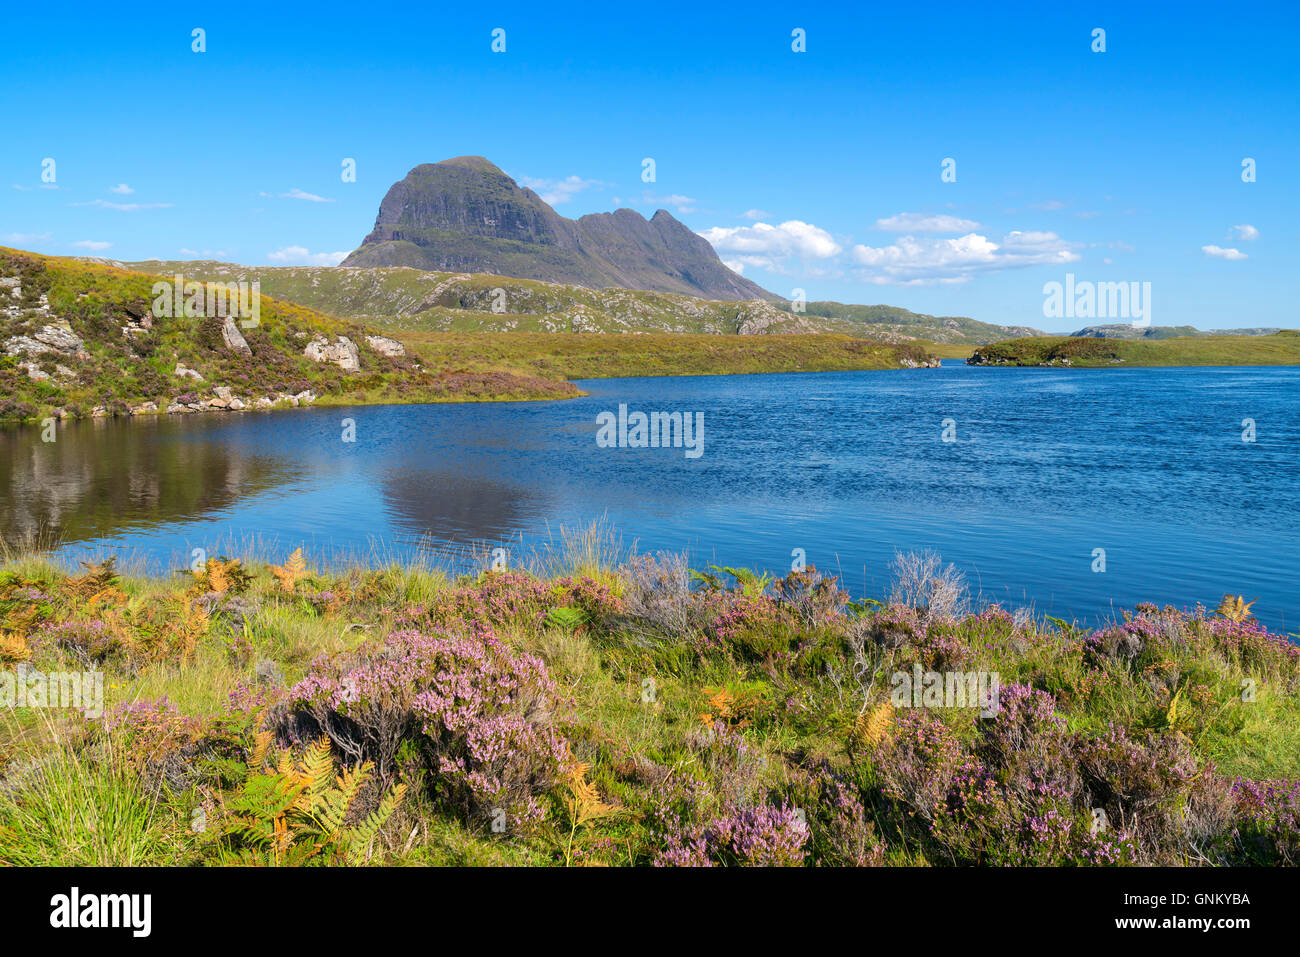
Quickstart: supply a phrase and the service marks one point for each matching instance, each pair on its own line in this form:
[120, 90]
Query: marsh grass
[87, 808]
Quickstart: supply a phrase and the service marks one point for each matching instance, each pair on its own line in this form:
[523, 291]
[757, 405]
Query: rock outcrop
[343, 352]
[386, 346]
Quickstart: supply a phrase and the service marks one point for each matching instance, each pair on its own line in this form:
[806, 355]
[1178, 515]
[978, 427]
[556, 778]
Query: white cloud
[1218, 252]
[92, 244]
[922, 223]
[121, 189]
[735, 265]
[123, 207]
[683, 204]
[770, 247]
[299, 256]
[296, 193]
[1245, 231]
[556, 191]
[911, 261]
[755, 214]
[19, 239]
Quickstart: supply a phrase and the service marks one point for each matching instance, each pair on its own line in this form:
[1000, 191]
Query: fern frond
[361, 837]
[13, 647]
[288, 574]
[261, 747]
[871, 727]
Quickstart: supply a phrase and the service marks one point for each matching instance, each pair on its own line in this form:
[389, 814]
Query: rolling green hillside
[80, 338]
[1281, 348]
[418, 300]
[402, 298]
[891, 322]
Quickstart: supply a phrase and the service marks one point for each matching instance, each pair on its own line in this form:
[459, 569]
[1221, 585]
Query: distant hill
[466, 215]
[404, 298]
[1122, 330]
[886, 320]
[1279, 348]
[85, 337]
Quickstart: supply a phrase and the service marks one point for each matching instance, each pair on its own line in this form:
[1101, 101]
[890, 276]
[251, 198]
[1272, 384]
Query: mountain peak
[465, 215]
[481, 163]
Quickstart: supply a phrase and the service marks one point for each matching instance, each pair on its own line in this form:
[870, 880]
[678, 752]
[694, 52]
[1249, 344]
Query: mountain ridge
[464, 214]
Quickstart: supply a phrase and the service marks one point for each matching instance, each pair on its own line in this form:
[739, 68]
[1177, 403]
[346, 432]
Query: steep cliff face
[466, 215]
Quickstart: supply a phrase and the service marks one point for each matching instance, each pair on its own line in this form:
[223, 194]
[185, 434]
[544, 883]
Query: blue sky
[817, 170]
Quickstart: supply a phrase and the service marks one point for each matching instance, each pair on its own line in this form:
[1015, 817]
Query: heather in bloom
[482, 716]
[720, 725]
[1269, 828]
[758, 836]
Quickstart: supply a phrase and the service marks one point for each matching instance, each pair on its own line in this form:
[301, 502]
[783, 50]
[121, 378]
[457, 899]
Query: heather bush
[484, 718]
[1157, 790]
[1268, 815]
[89, 642]
[916, 764]
[755, 836]
[811, 598]
[164, 746]
[514, 599]
[750, 626]
[657, 592]
[841, 833]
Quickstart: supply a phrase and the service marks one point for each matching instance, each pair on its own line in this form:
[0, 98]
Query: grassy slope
[593, 356]
[440, 301]
[99, 299]
[1281, 348]
[958, 330]
[789, 693]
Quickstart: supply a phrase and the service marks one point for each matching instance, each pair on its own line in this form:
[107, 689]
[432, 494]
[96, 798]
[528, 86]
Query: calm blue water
[1048, 465]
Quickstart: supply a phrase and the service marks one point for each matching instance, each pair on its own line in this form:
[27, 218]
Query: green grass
[414, 299]
[118, 372]
[590, 356]
[459, 351]
[73, 794]
[1282, 348]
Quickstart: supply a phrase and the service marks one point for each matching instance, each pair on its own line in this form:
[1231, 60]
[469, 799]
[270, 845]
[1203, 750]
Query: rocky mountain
[464, 215]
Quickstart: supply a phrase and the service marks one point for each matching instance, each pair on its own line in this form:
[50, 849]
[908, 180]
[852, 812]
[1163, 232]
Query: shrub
[1269, 828]
[922, 582]
[483, 718]
[657, 591]
[811, 598]
[759, 836]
